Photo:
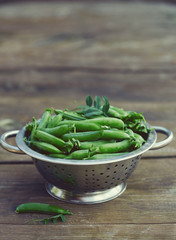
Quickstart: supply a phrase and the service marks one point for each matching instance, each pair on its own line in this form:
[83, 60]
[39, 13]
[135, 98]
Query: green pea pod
[54, 121]
[69, 114]
[83, 136]
[67, 122]
[48, 138]
[45, 147]
[80, 154]
[106, 156]
[130, 132]
[103, 121]
[90, 144]
[114, 134]
[40, 207]
[44, 119]
[123, 146]
[107, 121]
[82, 126]
[59, 130]
[57, 155]
[120, 111]
[34, 127]
[113, 113]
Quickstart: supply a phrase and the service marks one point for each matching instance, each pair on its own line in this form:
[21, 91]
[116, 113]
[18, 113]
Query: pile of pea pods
[91, 131]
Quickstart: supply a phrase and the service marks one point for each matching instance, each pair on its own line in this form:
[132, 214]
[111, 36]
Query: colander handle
[166, 141]
[6, 145]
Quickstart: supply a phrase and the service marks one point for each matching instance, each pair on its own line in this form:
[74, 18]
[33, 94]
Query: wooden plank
[89, 232]
[148, 199]
[146, 86]
[106, 35]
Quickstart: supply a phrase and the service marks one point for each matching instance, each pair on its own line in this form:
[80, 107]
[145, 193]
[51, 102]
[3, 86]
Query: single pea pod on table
[90, 131]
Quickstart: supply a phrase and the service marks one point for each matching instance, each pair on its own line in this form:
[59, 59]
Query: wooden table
[54, 53]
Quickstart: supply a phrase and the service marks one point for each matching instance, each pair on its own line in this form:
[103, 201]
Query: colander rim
[152, 136]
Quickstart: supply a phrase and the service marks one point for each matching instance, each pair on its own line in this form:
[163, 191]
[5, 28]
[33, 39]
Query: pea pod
[59, 130]
[103, 121]
[68, 122]
[34, 127]
[48, 138]
[54, 121]
[113, 113]
[106, 155]
[120, 112]
[82, 126]
[114, 134]
[45, 147]
[57, 155]
[80, 154]
[40, 207]
[130, 132]
[116, 147]
[44, 119]
[83, 136]
[69, 114]
[91, 144]
[107, 121]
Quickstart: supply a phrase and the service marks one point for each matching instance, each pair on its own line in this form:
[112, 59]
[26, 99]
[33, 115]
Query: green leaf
[80, 107]
[55, 220]
[105, 100]
[62, 218]
[46, 221]
[106, 105]
[89, 101]
[97, 102]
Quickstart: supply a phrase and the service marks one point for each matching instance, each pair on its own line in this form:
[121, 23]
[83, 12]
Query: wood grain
[54, 53]
[91, 232]
[147, 199]
[106, 35]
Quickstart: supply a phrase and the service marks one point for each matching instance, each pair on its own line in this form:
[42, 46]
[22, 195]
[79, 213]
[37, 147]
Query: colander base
[87, 197]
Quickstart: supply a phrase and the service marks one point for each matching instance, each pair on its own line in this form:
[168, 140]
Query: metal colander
[86, 181]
